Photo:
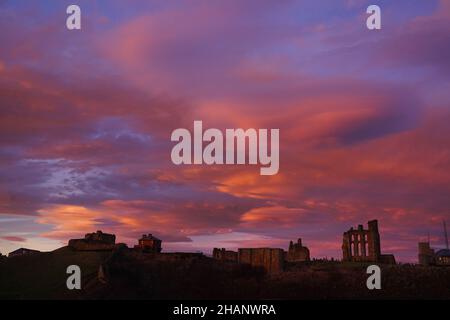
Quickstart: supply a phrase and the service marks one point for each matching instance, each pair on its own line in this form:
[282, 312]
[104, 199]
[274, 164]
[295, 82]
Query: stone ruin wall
[272, 260]
[360, 245]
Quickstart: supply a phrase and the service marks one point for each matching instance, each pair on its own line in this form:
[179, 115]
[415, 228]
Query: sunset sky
[86, 118]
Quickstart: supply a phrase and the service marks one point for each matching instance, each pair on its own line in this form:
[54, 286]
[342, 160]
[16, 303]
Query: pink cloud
[13, 238]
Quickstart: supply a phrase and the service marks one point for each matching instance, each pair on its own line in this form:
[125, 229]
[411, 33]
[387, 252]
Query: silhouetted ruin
[362, 245]
[96, 241]
[272, 260]
[297, 252]
[359, 245]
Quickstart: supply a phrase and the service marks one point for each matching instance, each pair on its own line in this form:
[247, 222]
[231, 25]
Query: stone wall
[272, 260]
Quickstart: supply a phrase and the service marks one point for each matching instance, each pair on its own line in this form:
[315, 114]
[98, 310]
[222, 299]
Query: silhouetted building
[362, 245]
[297, 252]
[22, 252]
[96, 241]
[443, 257]
[428, 257]
[149, 243]
[426, 254]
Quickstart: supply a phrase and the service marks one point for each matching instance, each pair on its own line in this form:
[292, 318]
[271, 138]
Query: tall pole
[445, 234]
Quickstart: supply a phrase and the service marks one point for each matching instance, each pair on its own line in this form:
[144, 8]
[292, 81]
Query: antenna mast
[445, 234]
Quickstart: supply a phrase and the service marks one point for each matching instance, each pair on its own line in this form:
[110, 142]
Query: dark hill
[43, 275]
[135, 275]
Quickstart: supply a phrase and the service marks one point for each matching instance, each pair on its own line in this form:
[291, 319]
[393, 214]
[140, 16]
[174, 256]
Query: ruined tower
[297, 252]
[363, 245]
[374, 240]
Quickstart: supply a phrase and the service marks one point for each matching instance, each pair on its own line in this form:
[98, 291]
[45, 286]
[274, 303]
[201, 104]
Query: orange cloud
[280, 216]
[68, 220]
